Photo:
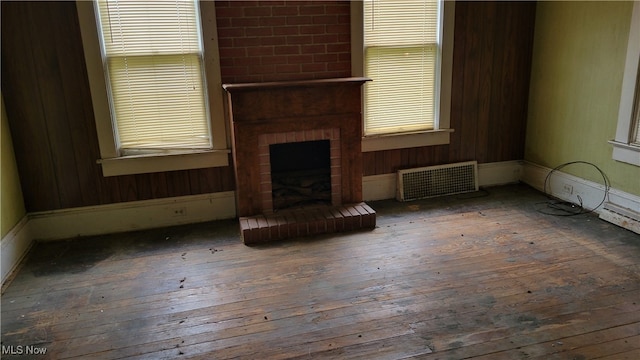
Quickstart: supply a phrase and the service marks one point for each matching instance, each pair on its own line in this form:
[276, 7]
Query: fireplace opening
[300, 174]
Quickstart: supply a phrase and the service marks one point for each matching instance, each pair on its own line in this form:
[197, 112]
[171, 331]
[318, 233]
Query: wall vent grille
[438, 180]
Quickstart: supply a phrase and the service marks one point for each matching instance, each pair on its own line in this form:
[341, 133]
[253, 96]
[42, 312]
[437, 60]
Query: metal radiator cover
[438, 180]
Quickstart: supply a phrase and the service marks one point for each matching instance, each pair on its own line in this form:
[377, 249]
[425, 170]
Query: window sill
[403, 141]
[626, 153]
[142, 164]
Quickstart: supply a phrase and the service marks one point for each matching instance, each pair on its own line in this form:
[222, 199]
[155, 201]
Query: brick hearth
[264, 114]
[304, 222]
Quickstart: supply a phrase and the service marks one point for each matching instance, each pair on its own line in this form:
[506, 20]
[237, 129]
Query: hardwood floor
[482, 276]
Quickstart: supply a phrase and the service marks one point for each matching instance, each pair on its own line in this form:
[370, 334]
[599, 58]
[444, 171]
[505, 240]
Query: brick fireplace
[266, 115]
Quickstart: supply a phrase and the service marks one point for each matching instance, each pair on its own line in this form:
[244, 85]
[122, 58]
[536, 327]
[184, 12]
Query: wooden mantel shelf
[295, 83]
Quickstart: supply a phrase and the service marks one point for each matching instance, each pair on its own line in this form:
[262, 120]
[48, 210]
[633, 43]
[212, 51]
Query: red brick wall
[283, 40]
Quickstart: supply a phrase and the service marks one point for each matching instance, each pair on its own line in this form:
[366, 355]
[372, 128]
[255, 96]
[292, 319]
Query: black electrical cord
[567, 208]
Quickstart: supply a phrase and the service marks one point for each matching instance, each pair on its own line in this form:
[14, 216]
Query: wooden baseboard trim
[128, 216]
[567, 187]
[14, 247]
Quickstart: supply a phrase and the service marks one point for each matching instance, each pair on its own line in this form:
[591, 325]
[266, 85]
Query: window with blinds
[154, 65]
[401, 53]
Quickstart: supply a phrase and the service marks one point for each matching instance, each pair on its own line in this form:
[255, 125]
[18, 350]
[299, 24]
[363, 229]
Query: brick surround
[264, 140]
[263, 114]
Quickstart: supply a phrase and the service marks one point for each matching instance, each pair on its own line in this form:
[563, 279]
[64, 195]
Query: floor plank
[476, 276]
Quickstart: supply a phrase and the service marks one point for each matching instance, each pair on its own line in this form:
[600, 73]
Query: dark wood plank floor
[482, 276]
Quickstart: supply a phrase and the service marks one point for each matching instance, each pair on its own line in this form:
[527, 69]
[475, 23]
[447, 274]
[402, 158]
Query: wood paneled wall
[490, 88]
[48, 103]
[49, 107]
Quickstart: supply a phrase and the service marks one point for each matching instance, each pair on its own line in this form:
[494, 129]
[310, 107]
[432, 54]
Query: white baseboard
[499, 173]
[14, 247]
[112, 218]
[381, 187]
[620, 216]
[591, 192]
[568, 187]
[127, 216]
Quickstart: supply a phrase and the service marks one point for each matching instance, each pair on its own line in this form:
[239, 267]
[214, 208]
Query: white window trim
[440, 136]
[112, 162]
[622, 149]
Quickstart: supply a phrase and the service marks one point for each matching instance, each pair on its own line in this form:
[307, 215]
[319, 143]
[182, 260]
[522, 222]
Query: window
[406, 49]
[626, 145]
[153, 57]
[146, 64]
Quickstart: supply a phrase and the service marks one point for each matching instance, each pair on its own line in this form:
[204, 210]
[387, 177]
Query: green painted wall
[576, 78]
[11, 194]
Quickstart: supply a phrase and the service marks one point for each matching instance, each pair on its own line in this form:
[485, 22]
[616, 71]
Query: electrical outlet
[181, 211]
[567, 189]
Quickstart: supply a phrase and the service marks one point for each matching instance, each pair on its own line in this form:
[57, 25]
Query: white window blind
[153, 58]
[401, 57]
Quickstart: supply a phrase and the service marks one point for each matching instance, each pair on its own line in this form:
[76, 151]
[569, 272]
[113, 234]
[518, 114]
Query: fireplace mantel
[262, 114]
[290, 101]
[296, 83]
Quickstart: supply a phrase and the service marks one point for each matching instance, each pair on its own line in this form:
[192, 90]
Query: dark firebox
[300, 174]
